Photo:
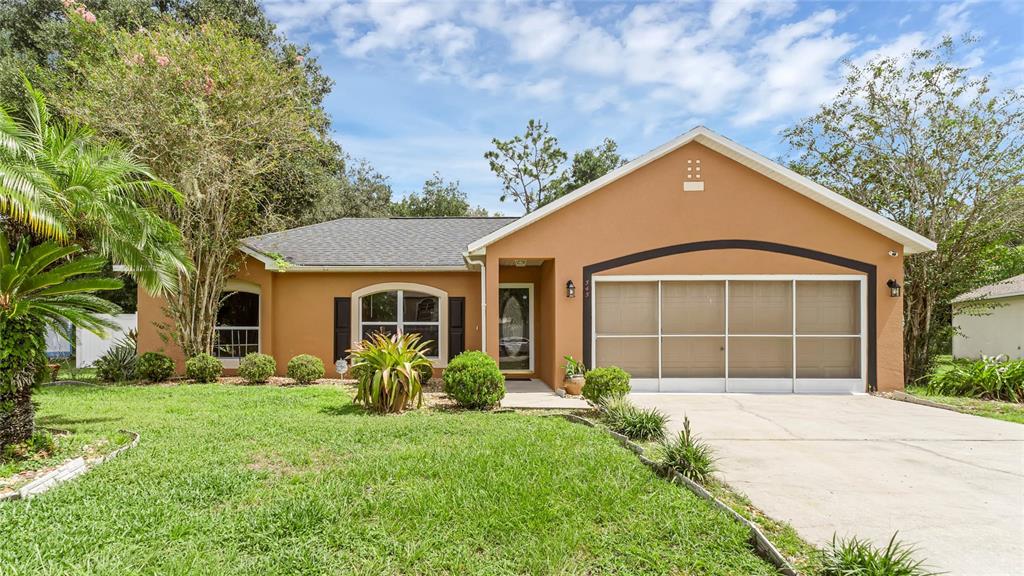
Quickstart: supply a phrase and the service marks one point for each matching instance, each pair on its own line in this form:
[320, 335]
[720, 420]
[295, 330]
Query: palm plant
[389, 370]
[39, 286]
[62, 184]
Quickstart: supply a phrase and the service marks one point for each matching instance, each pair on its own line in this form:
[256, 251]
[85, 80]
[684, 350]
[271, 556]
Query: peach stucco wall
[648, 209]
[297, 309]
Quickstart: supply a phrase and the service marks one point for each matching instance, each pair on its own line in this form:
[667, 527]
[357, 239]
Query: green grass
[264, 480]
[1008, 411]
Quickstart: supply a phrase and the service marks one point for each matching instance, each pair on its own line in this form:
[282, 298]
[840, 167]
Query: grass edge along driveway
[261, 480]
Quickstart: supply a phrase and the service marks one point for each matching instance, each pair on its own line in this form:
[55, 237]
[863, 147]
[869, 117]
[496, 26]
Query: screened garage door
[735, 334]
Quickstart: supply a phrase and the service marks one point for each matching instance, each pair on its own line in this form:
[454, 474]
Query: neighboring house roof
[1003, 289]
[373, 243]
[912, 242]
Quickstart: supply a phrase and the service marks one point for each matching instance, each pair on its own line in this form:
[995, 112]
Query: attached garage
[741, 333]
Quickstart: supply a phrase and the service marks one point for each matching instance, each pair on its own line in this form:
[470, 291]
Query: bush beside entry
[305, 368]
[604, 383]
[257, 368]
[473, 380]
[203, 368]
[154, 367]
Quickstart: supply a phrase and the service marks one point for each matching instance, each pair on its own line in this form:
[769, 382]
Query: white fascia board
[912, 242]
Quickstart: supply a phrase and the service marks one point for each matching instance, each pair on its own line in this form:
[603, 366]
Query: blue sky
[424, 86]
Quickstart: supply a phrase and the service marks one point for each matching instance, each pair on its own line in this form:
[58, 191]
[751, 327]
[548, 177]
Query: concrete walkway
[536, 394]
[950, 483]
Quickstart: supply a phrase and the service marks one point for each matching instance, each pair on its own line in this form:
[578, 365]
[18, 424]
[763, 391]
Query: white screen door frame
[791, 384]
[530, 318]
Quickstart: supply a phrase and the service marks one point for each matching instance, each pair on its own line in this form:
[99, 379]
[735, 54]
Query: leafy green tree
[592, 163]
[39, 286]
[59, 182]
[529, 166]
[210, 111]
[36, 38]
[926, 143]
[438, 198]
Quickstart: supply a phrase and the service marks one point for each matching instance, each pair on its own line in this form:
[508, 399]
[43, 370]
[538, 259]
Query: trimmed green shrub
[988, 379]
[203, 368]
[859, 557]
[118, 364]
[606, 382]
[688, 455]
[389, 370]
[473, 380]
[635, 423]
[154, 367]
[257, 368]
[305, 368]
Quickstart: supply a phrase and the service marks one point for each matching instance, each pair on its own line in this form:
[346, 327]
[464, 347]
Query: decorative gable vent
[694, 180]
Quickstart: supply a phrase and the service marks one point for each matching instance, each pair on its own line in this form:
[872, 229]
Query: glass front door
[515, 327]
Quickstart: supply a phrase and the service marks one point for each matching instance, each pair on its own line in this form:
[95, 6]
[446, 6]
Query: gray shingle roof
[1009, 287]
[377, 241]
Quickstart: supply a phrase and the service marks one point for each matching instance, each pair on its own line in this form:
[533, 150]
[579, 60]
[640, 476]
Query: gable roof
[372, 243]
[1013, 286]
[912, 242]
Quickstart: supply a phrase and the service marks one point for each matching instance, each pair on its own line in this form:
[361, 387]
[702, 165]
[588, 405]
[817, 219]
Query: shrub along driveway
[859, 465]
[263, 480]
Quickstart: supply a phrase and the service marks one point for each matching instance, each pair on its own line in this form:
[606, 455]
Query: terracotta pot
[573, 386]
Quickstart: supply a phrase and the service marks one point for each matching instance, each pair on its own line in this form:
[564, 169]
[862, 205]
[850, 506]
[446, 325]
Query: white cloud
[546, 89]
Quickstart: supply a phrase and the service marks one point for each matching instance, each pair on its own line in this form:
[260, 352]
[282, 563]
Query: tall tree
[36, 39]
[213, 113]
[529, 166]
[57, 181]
[40, 286]
[438, 198]
[926, 143]
[592, 163]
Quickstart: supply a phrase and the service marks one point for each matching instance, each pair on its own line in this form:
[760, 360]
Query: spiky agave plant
[388, 369]
[39, 286]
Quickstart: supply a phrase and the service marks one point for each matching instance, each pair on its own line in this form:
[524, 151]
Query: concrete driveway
[950, 483]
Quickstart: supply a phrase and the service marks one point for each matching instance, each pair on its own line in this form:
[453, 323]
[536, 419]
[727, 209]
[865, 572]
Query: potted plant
[574, 375]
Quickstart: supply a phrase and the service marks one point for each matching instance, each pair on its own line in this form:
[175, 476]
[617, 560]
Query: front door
[515, 327]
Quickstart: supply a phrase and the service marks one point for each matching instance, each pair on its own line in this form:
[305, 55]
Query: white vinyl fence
[89, 347]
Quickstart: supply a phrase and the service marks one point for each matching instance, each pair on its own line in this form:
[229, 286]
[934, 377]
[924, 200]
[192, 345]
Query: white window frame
[233, 285]
[529, 296]
[727, 384]
[439, 361]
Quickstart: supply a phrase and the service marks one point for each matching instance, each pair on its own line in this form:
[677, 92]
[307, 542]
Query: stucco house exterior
[700, 266]
[989, 321]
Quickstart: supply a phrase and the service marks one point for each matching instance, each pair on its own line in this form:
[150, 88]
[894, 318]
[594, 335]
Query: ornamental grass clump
[305, 369]
[688, 455]
[635, 423]
[988, 379]
[855, 557]
[257, 368]
[473, 380]
[389, 371]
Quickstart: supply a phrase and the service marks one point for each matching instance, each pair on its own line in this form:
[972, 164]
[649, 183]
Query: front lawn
[267, 480]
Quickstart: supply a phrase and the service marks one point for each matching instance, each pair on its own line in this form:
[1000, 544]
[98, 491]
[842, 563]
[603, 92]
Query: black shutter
[342, 327]
[456, 326]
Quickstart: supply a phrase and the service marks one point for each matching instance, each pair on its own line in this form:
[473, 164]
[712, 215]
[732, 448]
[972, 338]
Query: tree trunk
[17, 415]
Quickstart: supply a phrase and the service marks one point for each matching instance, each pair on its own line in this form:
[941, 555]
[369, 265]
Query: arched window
[402, 308]
[238, 322]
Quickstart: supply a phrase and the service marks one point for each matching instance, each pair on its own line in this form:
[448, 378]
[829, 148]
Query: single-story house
[989, 321]
[700, 266]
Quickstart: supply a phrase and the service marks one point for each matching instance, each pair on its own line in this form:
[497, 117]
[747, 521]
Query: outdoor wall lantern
[570, 289]
[894, 288]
